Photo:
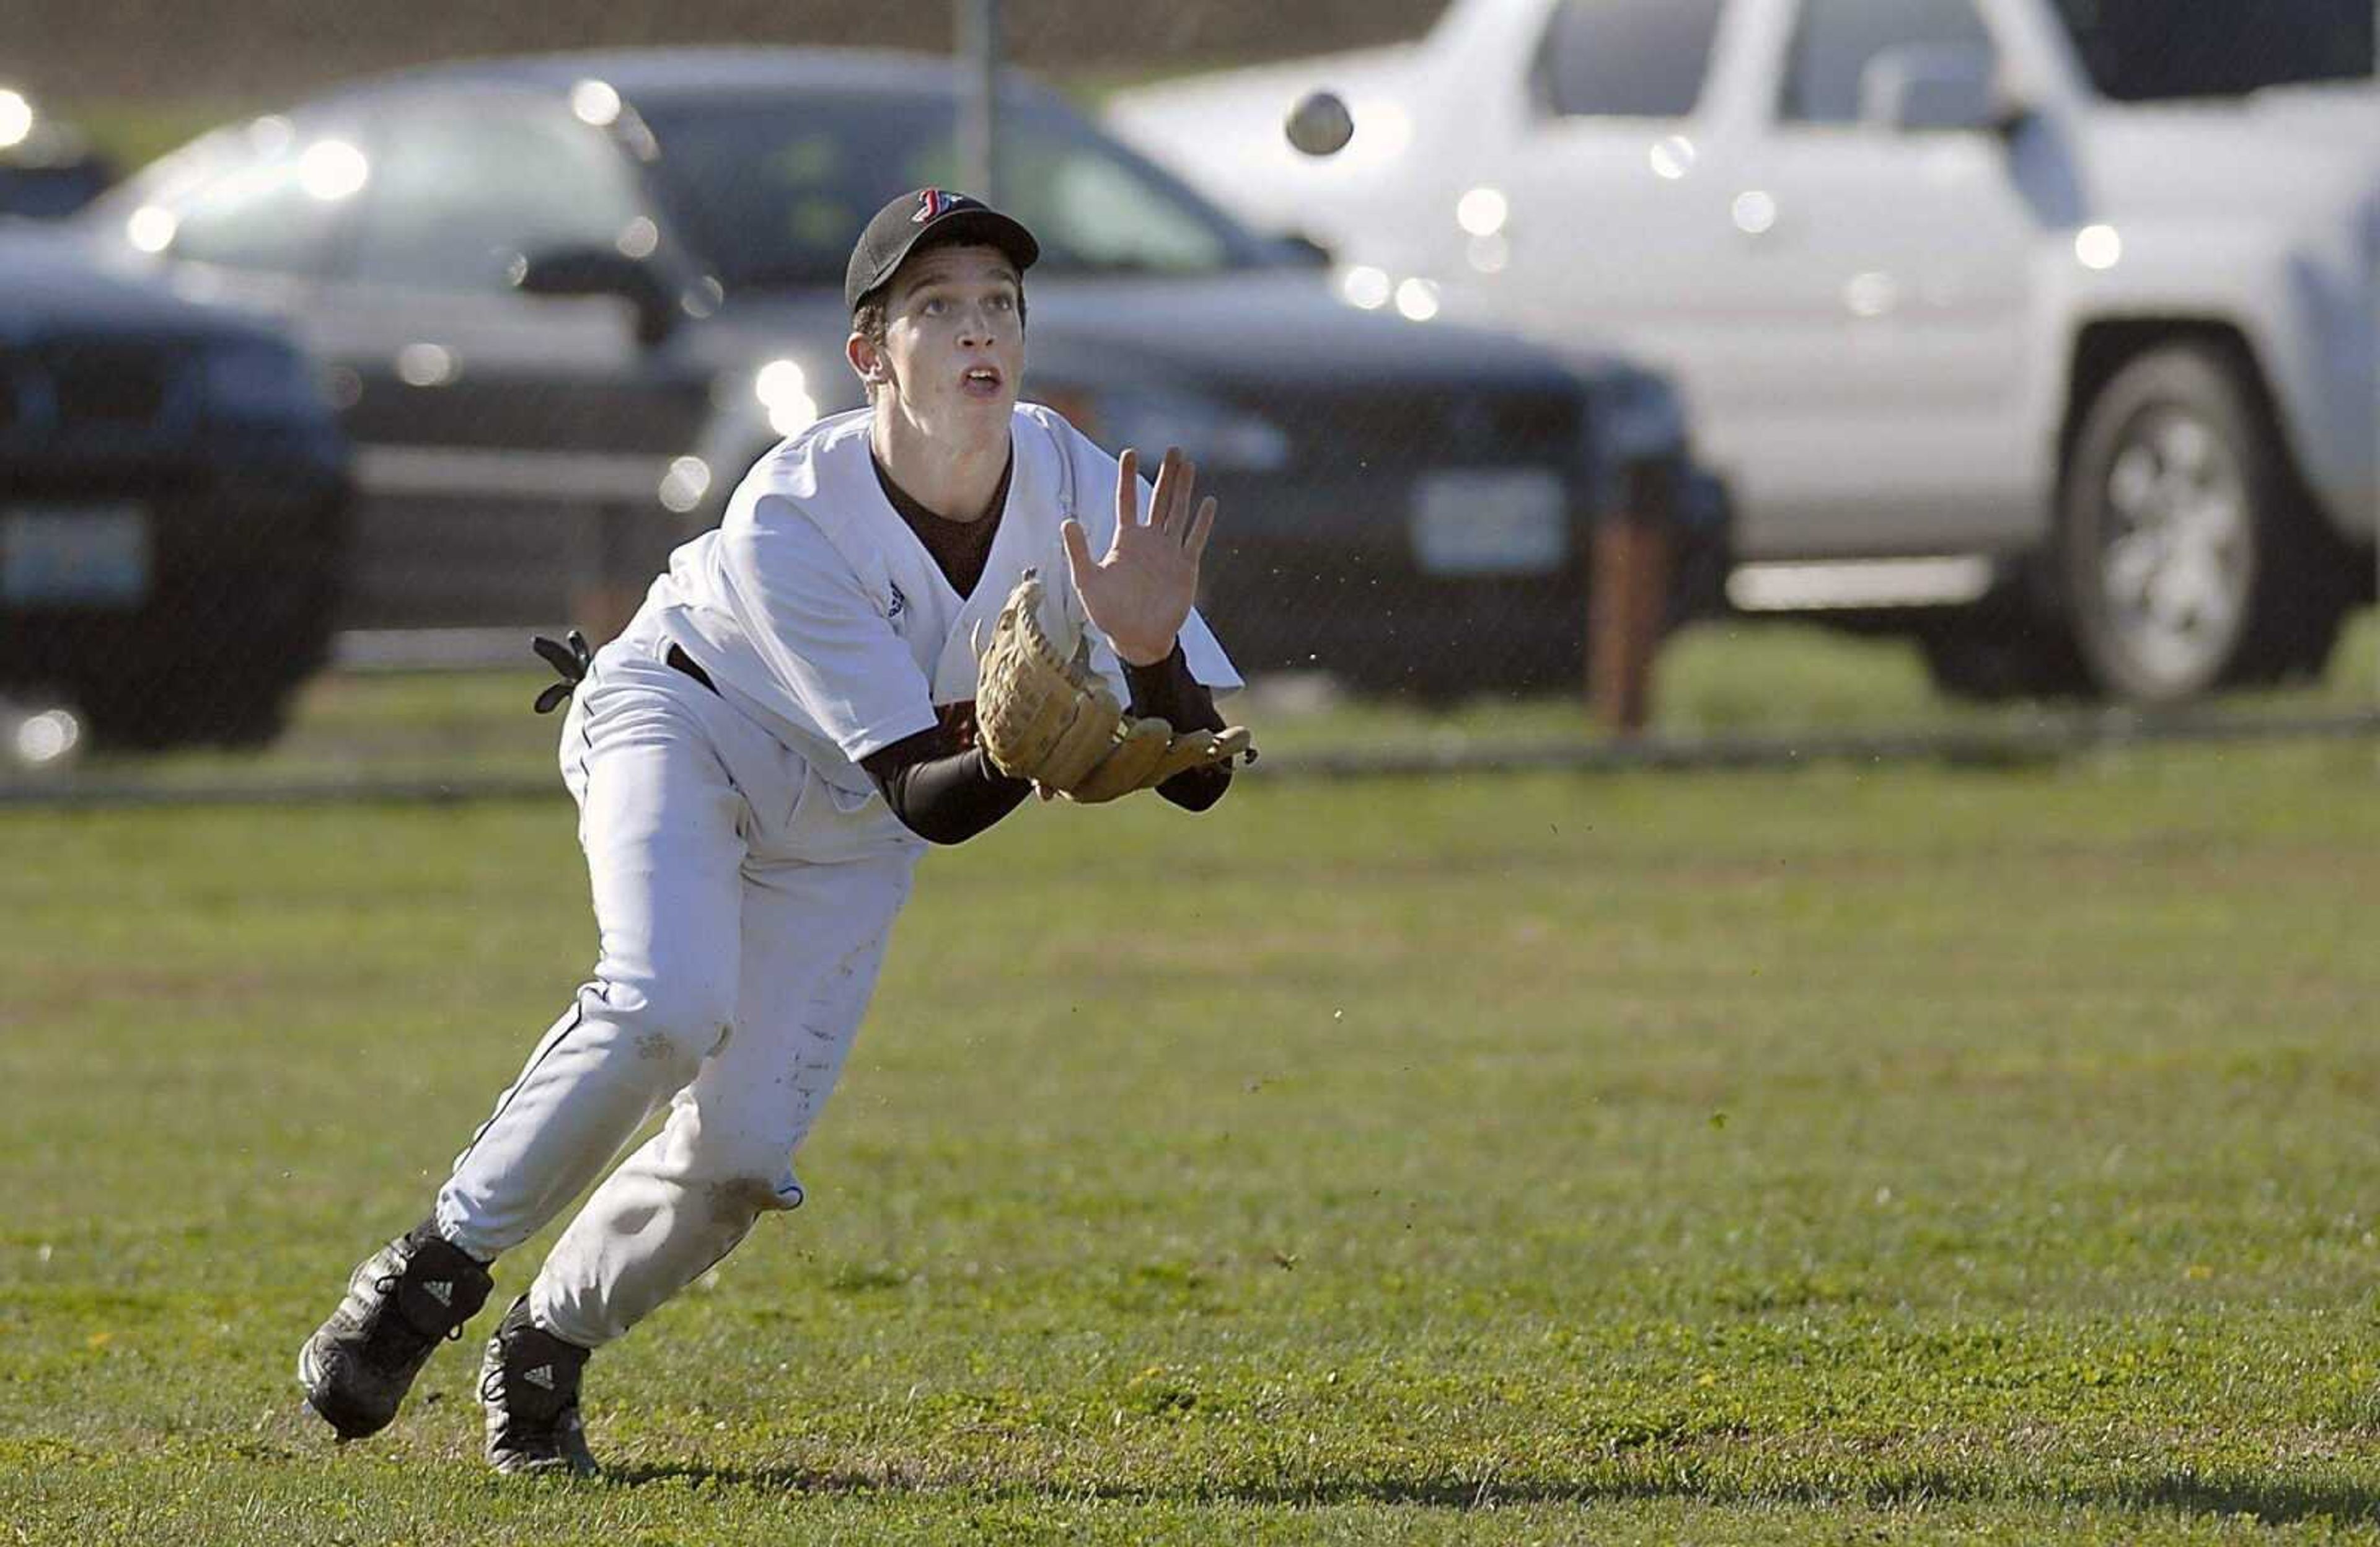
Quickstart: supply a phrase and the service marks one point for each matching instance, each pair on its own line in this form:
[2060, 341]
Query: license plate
[1490, 521]
[75, 555]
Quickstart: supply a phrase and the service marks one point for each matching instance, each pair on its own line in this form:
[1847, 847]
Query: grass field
[1899, 1154]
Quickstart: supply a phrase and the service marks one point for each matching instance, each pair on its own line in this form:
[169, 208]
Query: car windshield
[773, 190]
[2148, 50]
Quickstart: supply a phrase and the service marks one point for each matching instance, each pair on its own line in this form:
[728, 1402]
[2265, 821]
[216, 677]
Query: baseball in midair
[1320, 124]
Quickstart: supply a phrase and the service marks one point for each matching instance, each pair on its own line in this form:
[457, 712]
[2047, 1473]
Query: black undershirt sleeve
[1166, 691]
[944, 797]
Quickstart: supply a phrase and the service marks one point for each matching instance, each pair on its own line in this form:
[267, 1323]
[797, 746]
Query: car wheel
[2182, 558]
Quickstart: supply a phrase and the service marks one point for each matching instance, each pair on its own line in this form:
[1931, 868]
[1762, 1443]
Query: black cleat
[401, 1303]
[529, 1384]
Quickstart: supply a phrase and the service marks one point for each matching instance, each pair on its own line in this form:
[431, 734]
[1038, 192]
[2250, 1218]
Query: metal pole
[978, 65]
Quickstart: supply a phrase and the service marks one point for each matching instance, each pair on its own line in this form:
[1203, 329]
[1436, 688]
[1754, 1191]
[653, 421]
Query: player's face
[954, 340]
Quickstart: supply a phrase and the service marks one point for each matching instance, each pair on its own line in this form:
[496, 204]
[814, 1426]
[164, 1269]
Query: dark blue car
[172, 502]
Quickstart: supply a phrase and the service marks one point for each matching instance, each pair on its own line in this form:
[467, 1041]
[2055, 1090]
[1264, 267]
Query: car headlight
[261, 381]
[784, 389]
[16, 120]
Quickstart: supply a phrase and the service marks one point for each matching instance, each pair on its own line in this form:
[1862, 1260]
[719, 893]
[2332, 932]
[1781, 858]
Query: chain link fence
[369, 385]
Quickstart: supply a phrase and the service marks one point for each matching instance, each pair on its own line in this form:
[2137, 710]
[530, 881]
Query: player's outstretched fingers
[1127, 489]
[1176, 521]
[1201, 529]
[1079, 561]
[1169, 482]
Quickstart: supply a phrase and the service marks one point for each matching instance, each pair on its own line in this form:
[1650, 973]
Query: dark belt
[685, 663]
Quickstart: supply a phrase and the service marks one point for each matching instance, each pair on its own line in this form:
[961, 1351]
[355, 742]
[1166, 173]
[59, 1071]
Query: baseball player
[759, 761]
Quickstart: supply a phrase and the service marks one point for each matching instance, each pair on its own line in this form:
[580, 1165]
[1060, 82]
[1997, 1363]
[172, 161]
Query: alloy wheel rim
[2175, 547]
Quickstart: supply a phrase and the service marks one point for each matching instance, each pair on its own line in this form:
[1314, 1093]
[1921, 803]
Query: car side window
[268, 197]
[1835, 40]
[1625, 58]
[462, 190]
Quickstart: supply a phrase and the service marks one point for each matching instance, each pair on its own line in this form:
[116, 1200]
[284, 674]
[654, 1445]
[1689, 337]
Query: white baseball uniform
[746, 872]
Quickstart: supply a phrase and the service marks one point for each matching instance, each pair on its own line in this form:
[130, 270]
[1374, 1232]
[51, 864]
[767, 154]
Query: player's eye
[1003, 303]
[934, 306]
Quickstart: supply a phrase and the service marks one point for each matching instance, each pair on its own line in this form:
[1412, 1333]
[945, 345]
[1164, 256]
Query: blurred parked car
[172, 488]
[570, 299]
[2061, 311]
[47, 167]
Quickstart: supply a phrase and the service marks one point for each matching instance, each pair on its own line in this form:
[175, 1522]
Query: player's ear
[866, 358]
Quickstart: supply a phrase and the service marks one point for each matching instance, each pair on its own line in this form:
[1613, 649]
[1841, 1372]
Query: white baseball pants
[734, 972]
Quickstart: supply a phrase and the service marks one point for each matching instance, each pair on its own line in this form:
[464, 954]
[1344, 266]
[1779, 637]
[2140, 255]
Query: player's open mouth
[983, 381]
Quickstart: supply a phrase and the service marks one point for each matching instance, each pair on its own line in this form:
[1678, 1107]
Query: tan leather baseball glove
[1051, 719]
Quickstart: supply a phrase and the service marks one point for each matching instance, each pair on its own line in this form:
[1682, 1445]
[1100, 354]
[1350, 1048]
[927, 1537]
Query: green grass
[1900, 1155]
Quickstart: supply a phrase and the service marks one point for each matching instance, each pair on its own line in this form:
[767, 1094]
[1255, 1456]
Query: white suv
[2043, 330]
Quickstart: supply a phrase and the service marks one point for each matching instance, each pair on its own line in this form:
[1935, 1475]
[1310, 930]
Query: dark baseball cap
[935, 216]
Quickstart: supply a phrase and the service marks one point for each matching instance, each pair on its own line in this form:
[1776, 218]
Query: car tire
[2185, 561]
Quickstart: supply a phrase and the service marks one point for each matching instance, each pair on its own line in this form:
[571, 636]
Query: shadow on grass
[2270, 1501]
